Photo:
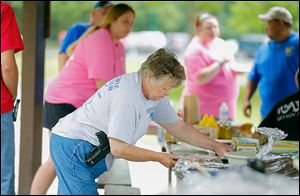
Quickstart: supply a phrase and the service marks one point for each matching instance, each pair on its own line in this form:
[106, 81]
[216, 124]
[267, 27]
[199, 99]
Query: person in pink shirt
[96, 57]
[209, 76]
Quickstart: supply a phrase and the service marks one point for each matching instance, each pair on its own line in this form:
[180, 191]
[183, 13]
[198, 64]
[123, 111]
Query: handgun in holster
[16, 109]
[97, 153]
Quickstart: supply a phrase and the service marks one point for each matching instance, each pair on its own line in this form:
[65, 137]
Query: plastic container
[225, 132]
[223, 113]
[214, 126]
[240, 157]
[204, 120]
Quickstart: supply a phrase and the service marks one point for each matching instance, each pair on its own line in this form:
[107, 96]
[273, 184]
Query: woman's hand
[223, 62]
[220, 149]
[168, 160]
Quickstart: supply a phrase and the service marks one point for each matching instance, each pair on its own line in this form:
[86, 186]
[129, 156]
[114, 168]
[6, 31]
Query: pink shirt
[96, 57]
[222, 88]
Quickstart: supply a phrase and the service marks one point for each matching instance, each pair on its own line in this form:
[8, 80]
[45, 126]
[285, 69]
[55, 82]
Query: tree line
[236, 17]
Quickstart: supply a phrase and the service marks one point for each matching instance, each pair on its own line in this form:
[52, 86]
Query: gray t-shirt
[120, 109]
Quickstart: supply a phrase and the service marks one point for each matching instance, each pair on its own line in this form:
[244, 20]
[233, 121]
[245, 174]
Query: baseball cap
[279, 13]
[102, 4]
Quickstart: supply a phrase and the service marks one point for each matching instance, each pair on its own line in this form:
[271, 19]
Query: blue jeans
[7, 154]
[75, 177]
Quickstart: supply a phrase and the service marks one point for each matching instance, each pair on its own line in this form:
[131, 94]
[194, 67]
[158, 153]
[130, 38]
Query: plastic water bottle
[223, 113]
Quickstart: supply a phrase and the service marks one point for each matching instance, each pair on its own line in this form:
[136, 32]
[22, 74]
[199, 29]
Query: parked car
[145, 42]
[177, 41]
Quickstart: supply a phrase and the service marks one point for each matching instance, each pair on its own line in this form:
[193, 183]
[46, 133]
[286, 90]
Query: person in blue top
[275, 63]
[76, 30]
[285, 114]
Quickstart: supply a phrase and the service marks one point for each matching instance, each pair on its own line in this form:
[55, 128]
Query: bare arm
[132, 153]
[62, 59]
[10, 72]
[99, 83]
[250, 90]
[188, 134]
[208, 73]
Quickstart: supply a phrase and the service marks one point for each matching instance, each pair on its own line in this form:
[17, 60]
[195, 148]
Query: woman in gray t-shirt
[121, 110]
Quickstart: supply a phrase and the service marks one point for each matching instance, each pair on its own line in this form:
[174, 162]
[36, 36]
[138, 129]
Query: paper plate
[239, 157]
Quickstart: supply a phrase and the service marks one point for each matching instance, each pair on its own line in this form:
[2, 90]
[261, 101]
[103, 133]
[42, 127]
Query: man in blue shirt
[75, 31]
[275, 63]
[285, 115]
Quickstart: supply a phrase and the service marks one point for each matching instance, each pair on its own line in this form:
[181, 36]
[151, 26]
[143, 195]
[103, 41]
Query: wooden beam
[35, 17]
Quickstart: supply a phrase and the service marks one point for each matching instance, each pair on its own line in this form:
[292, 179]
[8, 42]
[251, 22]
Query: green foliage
[152, 15]
[244, 14]
[17, 6]
[65, 13]
[213, 7]
[235, 17]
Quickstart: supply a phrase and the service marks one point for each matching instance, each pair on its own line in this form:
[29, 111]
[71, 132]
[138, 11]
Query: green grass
[51, 62]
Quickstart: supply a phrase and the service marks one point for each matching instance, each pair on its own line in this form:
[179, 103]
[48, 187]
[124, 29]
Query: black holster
[15, 110]
[97, 153]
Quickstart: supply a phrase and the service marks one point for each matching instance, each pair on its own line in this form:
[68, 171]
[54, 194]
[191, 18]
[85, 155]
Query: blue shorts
[75, 177]
[7, 154]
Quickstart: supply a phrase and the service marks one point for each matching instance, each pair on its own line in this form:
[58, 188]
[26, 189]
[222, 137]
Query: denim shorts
[75, 177]
[7, 154]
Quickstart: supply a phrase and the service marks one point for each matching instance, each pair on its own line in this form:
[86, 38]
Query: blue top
[274, 70]
[73, 34]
